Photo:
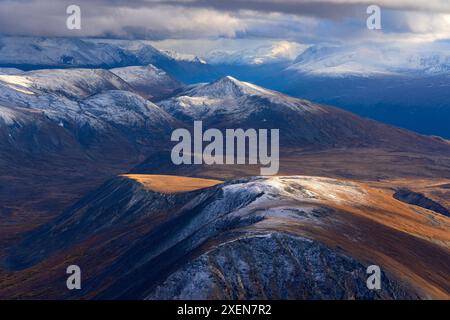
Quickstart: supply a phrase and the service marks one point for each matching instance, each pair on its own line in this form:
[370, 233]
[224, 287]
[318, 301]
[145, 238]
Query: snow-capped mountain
[149, 81]
[225, 97]
[367, 61]
[230, 103]
[65, 93]
[92, 106]
[282, 51]
[183, 56]
[71, 83]
[30, 53]
[59, 52]
[65, 52]
[291, 237]
[338, 61]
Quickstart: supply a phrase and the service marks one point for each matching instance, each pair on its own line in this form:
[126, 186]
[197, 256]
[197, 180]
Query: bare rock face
[274, 266]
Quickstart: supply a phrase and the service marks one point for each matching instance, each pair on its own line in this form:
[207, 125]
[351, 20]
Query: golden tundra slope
[367, 222]
[172, 184]
[360, 219]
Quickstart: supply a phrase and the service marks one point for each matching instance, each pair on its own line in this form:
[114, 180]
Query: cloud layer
[305, 21]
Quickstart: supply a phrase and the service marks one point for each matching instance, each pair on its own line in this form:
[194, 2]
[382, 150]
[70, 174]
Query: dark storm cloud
[191, 19]
[317, 8]
[309, 8]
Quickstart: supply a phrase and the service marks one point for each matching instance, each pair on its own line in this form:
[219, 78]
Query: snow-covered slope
[31, 53]
[72, 83]
[74, 94]
[150, 81]
[230, 103]
[277, 52]
[432, 63]
[339, 61]
[367, 61]
[230, 99]
[7, 116]
[58, 93]
[183, 56]
[125, 108]
[92, 106]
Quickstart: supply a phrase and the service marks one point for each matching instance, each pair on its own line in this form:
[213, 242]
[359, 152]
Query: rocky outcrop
[274, 266]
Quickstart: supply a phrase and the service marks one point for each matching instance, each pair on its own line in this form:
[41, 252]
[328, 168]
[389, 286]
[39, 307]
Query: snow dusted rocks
[228, 103]
[75, 112]
[78, 96]
[41, 52]
[229, 99]
[125, 108]
[253, 238]
[33, 53]
[150, 81]
[273, 266]
[7, 115]
[71, 83]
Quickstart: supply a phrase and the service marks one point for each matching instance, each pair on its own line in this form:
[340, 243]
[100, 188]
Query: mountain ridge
[166, 259]
[228, 102]
[342, 61]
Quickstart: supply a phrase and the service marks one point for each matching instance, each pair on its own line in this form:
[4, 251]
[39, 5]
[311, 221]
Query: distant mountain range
[30, 53]
[319, 60]
[403, 86]
[341, 61]
[409, 89]
[90, 107]
[278, 52]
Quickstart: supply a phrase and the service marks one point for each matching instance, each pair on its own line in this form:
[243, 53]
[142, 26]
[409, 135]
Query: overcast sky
[302, 21]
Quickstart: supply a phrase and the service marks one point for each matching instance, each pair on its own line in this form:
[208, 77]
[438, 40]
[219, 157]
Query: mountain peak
[229, 80]
[183, 57]
[223, 87]
[229, 87]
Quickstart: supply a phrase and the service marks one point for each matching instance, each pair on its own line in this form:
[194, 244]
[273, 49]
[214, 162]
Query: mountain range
[405, 87]
[368, 61]
[86, 179]
[398, 85]
[30, 53]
